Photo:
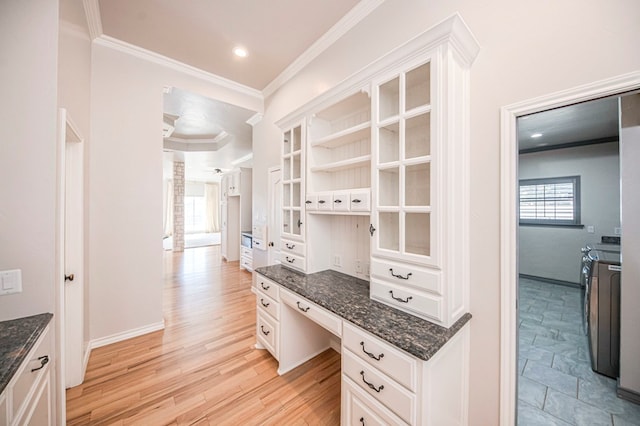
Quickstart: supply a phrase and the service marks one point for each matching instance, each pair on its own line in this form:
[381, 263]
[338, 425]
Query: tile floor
[556, 385]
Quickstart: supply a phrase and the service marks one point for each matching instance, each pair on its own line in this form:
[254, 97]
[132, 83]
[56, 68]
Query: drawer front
[341, 201]
[389, 393]
[325, 202]
[403, 274]
[267, 332]
[381, 355]
[410, 300]
[311, 203]
[317, 314]
[360, 201]
[293, 261]
[267, 287]
[268, 305]
[360, 409]
[246, 251]
[246, 263]
[292, 247]
[27, 378]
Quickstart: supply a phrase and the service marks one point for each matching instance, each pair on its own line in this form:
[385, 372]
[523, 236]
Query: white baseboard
[118, 337]
[85, 360]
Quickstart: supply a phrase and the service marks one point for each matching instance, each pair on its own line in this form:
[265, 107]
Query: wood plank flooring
[202, 369]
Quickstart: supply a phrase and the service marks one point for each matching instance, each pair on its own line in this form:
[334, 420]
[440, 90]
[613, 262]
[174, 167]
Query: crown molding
[94, 21]
[254, 119]
[156, 58]
[348, 21]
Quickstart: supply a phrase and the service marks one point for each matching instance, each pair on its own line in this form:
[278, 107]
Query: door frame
[270, 195]
[508, 213]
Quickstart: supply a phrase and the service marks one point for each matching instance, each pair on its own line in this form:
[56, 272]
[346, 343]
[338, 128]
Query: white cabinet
[268, 315]
[246, 258]
[234, 183]
[28, 398]
[235, 215]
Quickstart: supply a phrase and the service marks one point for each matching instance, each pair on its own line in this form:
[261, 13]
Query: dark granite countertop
[17, 338]
[348, 297]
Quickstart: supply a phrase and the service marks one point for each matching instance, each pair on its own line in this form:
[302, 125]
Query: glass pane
[286, 220]
[389, 235]
[417, 233]
[418, 91]
[286, 195]
[296, 224]
[295, 167]
[297, 138]
[286, 169]
[418, 136]
[389, 98]
[389, 183]
[388, 142]
[418, 185]
[286, 143]
[295, 196]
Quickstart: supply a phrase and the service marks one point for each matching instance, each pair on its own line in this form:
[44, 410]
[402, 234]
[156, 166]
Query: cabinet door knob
[371, 229]
[356, 200]
[307, 202]
[321, 201]
[69, 277]
[337, 201]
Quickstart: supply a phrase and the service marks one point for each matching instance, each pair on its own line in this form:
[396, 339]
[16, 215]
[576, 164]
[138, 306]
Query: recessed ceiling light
[240, 51]
[536, 135]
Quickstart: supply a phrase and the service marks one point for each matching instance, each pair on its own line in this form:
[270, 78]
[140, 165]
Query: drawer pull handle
[290, 246]
[400, 299]
[400, 276]
[371, 229]
[356, 200]
[265, 287]
[377, 358]
[321, 201]
[266, 305]
[266, 333]
[362, 421]
[44, 360]
[377, 389]
[307, 202]
[290, 260]
[337, 201]
[301, 308]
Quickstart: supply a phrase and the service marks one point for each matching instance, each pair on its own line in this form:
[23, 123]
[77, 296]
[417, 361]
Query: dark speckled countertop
[348, 297]
[17, 338]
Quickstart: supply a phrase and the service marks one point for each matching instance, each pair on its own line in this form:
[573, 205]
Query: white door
[72, 319]
[274, 199]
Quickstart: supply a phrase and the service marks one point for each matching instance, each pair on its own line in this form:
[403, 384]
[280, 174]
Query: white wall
[28, 119]
[554, 252]
[528, 50]
[125, 265]
[630, 284]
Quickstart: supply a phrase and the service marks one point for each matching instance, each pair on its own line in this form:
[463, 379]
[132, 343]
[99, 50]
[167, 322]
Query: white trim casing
[118, 337]
[509, 226]
[94, 21]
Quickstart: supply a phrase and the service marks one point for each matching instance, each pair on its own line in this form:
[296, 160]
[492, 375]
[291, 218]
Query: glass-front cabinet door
[292, 183]
[402, 224]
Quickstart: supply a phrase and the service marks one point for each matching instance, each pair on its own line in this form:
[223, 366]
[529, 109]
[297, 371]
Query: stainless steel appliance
[602, 299]
[246, 239]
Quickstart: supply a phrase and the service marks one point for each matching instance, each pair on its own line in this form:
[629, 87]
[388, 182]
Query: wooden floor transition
[202, 369]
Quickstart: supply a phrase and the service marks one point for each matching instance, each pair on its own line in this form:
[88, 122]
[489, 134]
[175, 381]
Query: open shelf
[344, 137]
[350, 163]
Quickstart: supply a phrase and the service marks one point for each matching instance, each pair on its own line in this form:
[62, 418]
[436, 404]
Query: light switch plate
[10, 281]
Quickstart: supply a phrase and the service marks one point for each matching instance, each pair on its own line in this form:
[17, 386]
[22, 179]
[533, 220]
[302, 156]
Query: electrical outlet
[617, 231]
[358, 266]
[337, 261]
[10, 281]
[591, 229]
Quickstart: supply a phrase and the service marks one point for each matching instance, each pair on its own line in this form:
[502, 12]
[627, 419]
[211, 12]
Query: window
[550, 201]
[194, 214]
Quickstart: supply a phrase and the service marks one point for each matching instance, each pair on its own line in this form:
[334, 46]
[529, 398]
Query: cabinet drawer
[341, 201]
[292, 247]
[293, 261]
[381, 355]
[246, 263]
[268, 305]
[267, 332]
[415, 276]
[311, 203]
[360, 409]
[392, 395]
[360, 201]
[246, 252]
[267, 287]
[408, 299]
[325, 202]
[319, 315]
[27, 378]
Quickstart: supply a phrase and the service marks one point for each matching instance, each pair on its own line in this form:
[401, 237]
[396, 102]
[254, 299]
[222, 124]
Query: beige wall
[28, 119]
[528, 50]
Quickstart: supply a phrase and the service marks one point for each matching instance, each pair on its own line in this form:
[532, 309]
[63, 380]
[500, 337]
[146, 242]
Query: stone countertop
[348, 297]
[17, 338]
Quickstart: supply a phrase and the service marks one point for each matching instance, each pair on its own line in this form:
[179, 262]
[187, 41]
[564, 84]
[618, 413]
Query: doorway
[509, 223]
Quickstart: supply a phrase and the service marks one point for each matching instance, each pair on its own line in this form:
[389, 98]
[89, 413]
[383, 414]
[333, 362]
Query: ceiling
[597, 119]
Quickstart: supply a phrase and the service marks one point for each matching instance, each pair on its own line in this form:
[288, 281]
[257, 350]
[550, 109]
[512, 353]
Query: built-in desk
[396, 368]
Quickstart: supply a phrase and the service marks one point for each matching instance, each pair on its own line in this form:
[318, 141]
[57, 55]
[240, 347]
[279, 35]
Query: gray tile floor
[556, 385]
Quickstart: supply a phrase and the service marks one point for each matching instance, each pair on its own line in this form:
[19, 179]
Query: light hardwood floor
[202, 369]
